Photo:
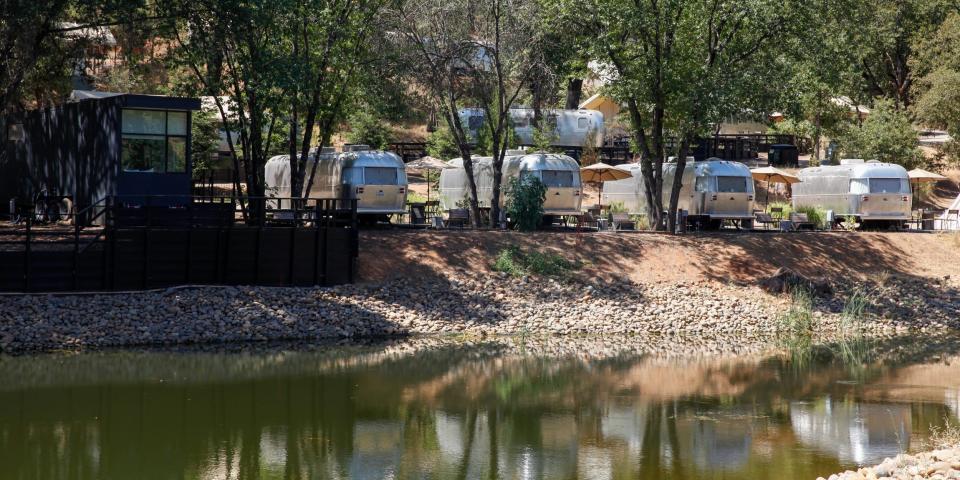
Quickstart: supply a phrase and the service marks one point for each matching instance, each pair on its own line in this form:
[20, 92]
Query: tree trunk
[574, 91]
[677, 183]
[536, 95]
[499, 149]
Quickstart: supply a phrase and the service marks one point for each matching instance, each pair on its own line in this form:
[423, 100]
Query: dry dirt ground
[650, 257]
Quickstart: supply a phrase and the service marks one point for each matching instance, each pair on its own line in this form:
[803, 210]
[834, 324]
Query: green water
[590, 409]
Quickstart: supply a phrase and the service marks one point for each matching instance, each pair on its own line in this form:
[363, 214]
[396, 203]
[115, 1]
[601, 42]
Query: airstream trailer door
[730, 196]
[381, 189]
[563, 191]
[883, 198]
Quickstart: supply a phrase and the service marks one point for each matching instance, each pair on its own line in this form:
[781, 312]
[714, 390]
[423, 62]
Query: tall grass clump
[798, 319]
[514, 262]
[854, 309]
[816, 215]
[946, 436]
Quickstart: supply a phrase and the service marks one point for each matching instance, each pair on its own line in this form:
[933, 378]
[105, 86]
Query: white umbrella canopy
[427, 164]
[774, 175]
[919, 175]
[601, 172]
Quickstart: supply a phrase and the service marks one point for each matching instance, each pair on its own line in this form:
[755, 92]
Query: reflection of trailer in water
[873, 192]
[560, 174]
[376, 179]
[712, 191]
[571, 128]
[854, 432]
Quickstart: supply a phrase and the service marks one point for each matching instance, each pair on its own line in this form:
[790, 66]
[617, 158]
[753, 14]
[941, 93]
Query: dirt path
[646, 257]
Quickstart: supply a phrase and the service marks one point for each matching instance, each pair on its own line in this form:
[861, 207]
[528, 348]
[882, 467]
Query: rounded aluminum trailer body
[560, 173]
[714, 189]
[870, 191]
[376, 179]
[571, 128]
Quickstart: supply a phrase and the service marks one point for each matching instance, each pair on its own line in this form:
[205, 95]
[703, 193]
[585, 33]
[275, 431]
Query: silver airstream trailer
[571, 128]
[376, 179]
[713, 190]
[873, 192]
[560, 174]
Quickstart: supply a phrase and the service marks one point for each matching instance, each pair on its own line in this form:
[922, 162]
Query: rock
[785, 280]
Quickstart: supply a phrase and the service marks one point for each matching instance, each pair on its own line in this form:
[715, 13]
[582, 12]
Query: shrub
[886, 135]
[816, 215]
[367, 129]
[441, 144]
[516, 263]
[525, 196]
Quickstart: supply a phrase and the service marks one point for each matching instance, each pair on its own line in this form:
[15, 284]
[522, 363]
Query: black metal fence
[156, 242]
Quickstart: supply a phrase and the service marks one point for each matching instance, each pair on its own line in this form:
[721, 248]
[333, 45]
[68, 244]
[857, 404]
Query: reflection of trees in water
[458, 413]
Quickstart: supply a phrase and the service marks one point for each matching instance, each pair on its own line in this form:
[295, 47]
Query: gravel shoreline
[938, 464]
[463, 303]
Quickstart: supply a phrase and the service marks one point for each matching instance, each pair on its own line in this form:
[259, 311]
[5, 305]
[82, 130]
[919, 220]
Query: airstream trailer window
[732, 184]
[557, 178]
[704, 184]
[353, 176]
[521, 122]
[380, 176]
[887, 185]
[582, 123]
[859, 185]
[475, 122]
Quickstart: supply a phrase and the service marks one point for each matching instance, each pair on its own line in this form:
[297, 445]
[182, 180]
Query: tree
[204, 142]
[461, 52]
[433, 46]
[885, 135]
[367, 129]
[277, 62]
[937, 93]
[682, 66]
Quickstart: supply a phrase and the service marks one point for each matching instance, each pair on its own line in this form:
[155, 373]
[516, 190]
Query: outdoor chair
[776, 213]
[418, 215]
[622, 221]
[801, 221]
[766, 220]
[952, 218]
[587, 220]
[457, 217]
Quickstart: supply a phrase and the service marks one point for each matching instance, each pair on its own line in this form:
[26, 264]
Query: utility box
[783, 155]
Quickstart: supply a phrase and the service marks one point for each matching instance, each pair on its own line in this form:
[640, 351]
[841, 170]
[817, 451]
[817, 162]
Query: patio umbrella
[428, 163]
[601, 172]
[773, 175]
[919, 175]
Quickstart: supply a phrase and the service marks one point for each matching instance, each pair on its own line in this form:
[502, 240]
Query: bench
[800, 221]
[622, 221]
[458, 217]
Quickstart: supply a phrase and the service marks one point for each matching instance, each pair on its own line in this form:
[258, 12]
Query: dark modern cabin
[100, 145]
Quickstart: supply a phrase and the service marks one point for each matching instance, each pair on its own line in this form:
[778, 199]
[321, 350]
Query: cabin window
[582, 123]
[732, 184]
[704, 184]
[154, 141]
[380, 176]
[557, 178]
[887, 185]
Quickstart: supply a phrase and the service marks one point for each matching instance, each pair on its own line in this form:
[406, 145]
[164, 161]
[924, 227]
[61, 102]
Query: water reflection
[491, 409]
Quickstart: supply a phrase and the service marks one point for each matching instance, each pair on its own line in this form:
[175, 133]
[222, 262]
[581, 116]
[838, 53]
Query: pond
[592, 408]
